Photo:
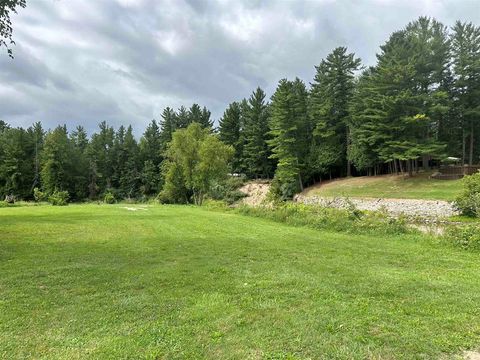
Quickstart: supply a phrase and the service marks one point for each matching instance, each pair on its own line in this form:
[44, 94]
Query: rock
[431, 209]
[10, 199]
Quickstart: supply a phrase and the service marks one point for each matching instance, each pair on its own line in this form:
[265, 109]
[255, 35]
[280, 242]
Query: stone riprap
[409, 207]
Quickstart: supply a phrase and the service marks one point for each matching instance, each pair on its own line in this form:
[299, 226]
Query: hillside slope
[420, 186]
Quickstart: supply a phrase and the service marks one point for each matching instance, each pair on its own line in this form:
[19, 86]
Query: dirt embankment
[256, 192]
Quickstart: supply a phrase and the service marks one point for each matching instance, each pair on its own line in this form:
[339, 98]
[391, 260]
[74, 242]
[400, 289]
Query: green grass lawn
[420, 186]
[172, 282]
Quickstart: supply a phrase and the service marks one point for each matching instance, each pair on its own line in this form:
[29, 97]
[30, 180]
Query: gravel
[431, 209]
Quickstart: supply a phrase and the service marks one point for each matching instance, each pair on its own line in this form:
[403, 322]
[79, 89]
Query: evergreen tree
[101, 160]
[256, 153]
[466, 63]
[56, 167]
[150, 152]
[331, 93]
[169, 121]
[289, 130]
[182, 118]
[230, 132]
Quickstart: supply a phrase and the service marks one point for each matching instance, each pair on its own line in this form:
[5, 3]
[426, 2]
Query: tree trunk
[463, 147]
[425, 159]
[470, 155]
[400, 164]
[349, 169]
[300, 182]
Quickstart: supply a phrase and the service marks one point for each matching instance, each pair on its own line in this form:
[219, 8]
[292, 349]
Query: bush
[59, 198]
[39, 195]
[465, 236]
[109, 198]
[468, 203]
[349, 220]
[228, 190]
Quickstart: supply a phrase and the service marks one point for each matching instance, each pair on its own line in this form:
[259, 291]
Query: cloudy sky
[123, 61]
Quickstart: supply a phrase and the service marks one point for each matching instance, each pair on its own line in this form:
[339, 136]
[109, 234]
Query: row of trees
[421, 101]
[111, 160]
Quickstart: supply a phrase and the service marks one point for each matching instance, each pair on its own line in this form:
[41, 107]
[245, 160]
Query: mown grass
[172, 282]
[419, 186]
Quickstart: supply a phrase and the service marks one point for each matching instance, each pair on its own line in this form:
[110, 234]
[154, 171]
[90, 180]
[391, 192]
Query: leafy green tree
[6, 29]
[196, 160]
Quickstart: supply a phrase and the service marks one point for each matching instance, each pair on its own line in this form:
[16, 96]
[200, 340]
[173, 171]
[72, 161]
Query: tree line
[419, 103]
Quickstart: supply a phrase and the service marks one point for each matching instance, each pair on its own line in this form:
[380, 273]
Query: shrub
[109, 198]
[468, 203]
[465, 236]
[39, 195]
[342, 220]
[59, 198]
[228, 190]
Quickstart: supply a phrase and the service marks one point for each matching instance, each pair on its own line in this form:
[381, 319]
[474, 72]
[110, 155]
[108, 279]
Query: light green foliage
[466, 236]
[468, 202]
[349, 220]
[39, 195]
[109, 198]
[196, 160]
[181, 282]
[58, 198]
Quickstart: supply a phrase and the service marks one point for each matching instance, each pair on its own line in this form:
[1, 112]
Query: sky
[81, 62]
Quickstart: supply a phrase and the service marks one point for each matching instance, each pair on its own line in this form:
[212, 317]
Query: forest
[419, 104]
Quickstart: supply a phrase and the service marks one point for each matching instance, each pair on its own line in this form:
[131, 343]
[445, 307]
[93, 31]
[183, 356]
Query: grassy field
[172, 282]
[420, 186]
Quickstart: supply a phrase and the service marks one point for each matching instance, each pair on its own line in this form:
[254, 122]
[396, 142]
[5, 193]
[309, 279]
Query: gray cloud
[123, 61]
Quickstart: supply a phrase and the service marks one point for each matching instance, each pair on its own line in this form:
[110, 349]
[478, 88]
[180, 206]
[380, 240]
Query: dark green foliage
[466, 63]
[329, 105]
[400, 103]
[230, 131]
[416, 106]
[256, 153]
[290, 130]
[469, 201]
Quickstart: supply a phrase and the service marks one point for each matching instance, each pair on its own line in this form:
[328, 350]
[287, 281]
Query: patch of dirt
[471, 355]
[256, 192]
[133, 208]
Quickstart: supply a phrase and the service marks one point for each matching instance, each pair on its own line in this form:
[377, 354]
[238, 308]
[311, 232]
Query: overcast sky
[123, 61]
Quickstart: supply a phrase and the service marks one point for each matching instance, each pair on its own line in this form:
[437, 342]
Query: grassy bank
[420, 186]
[89, 281]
